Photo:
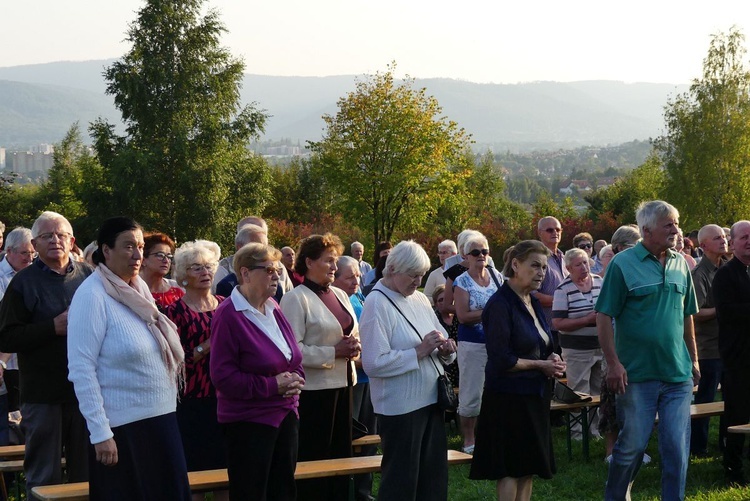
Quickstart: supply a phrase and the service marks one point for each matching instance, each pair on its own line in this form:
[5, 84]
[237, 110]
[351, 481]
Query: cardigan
[244, 364]
[511, 334]
[114, 362]
[317, 332]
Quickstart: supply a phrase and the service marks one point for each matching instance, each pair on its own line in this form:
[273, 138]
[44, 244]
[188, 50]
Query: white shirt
[266, 322]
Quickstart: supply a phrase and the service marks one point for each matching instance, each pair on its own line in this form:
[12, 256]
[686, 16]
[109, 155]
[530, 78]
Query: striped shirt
[570, 302]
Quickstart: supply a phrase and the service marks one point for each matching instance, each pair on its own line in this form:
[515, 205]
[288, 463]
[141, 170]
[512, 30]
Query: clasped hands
[289, 384]
[434, 340]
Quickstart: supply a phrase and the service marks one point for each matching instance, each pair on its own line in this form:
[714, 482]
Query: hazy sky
[480, 41]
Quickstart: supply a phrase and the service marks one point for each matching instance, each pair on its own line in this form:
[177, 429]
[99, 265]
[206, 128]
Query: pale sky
[476, 40]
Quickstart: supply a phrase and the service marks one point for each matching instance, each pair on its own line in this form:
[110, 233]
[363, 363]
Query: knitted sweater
[33, 299]
[399, 382]
[317, 332]
[114, 362]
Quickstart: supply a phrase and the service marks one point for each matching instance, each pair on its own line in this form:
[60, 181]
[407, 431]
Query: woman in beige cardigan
[326, 329]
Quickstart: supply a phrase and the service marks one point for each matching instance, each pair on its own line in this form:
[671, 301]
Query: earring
[184, 282]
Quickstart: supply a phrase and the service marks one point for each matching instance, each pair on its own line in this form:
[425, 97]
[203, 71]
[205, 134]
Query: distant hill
[38, 103]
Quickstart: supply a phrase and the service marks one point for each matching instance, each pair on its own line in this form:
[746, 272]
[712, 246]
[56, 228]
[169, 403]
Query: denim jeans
[636, 410]
[710, 378]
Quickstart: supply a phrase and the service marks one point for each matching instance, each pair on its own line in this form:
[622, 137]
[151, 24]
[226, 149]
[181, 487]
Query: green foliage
[183, 166]
[646, 182]
[706, 148]
[383, 152]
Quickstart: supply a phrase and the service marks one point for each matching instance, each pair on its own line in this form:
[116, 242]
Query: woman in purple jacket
[256, 367]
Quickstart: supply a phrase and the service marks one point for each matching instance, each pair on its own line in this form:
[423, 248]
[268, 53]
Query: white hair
[189, 253]
[17, 237]
[604, 250]
[648, 214]
[463, 236]
[49, 216]
[448, 244]
[356, 244]
[573, 253]
[345, 262]
[407, 257]
[474, 238]
[247, 233]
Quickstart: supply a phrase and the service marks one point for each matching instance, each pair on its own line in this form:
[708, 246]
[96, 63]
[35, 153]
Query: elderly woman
[194, 267]
[446, 321]
[327, 332]
[124, 359]
[574, 317]
[256, 367]
[157, 261]
[605, 256]
[472, 289]
[404, 347]
[514, 440]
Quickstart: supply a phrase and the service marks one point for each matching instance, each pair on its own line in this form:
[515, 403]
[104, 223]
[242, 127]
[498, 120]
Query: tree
[706, 147]
[384, 150]
[183, 166]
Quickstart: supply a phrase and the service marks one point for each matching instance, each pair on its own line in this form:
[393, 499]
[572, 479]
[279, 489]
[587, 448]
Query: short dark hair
[521, 252]
[108, 232]
[313, 246]
[581, 237]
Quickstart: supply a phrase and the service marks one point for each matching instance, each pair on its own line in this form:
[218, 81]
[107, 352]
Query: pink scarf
[137, 297]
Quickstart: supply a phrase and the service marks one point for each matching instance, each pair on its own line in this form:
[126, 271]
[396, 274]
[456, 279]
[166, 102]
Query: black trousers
[415, 456]
[261, 460]
[736, 391]
[325, 432]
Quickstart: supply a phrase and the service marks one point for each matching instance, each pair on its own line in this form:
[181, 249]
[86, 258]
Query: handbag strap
[494, 276]
[410, 324]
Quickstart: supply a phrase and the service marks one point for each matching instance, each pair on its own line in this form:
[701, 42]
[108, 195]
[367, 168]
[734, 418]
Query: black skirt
[514, 438]
[201, 434]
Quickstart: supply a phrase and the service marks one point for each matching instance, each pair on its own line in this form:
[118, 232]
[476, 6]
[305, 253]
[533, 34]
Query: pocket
[679, 291]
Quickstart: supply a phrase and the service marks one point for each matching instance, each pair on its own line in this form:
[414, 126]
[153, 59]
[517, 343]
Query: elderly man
[33, 323]
[19, 253]
[358, 251]
[652, 362]
[550, 234]
[731, 290]
[225, 265]
[287, 259]
[446, 249]
[597, 267]
[714, 245]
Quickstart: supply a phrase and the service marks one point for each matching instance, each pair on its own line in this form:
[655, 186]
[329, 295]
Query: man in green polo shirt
[650, 353]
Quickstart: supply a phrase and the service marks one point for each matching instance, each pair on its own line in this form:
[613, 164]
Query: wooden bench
[211, 480]
[584, 408]
[360, 442]
[709, 409]
[10, 452]
[739, 428]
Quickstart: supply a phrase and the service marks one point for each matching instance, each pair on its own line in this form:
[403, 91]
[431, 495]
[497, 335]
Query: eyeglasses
[31, 254]
[161, 256]
[553, 230]
[48, 237]
[270, 270]
[477, 252]
[197, 268]
[584, 246]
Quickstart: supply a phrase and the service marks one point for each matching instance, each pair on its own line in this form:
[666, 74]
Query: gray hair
[473, 239]
[604, 249]
[356, 244]
[703, 232]
[573, 253]
[649, 213]
[194, 252]
[732, 230]
[247, 234]
[625, 237]
[256, 220]
[345, 262]
[49, 216]
[448, 244]
[407, 257]
[545, 218]
[2, 227]
[463, 236]
[17, 237]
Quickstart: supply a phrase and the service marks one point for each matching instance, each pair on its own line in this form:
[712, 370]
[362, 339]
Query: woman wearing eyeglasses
[328, 335]
[256, 367]
[472, 289]
[194, 267]
[157, 261]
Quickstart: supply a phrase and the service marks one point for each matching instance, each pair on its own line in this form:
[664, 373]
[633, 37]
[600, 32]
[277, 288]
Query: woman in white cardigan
[403, 349]
[124, 359]
[326, 329]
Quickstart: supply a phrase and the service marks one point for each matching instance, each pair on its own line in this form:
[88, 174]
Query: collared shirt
[706, 333]
[556, 273]
[6, 273]
[44, 266]
[364, 269]
[649, 303]
[266, 322]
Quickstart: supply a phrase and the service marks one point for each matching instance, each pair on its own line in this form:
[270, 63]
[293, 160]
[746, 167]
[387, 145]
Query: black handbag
[447, 399]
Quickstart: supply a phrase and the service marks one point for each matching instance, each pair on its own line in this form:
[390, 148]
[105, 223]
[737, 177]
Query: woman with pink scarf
[125, 361]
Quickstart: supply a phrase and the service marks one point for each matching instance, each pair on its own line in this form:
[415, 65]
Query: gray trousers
[53, 431]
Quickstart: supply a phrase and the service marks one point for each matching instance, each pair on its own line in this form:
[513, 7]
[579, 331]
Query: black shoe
[735, 478]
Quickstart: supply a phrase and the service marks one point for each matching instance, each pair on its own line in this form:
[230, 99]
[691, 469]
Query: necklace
[201, 309]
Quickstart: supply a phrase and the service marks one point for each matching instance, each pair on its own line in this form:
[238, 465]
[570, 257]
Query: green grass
[578, 479]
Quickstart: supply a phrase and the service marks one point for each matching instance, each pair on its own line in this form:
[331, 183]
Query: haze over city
[478, 41]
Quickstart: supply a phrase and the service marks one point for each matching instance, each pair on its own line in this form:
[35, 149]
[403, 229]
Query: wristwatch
[199, 349]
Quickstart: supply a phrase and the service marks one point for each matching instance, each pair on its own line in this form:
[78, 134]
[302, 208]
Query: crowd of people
[139, 360]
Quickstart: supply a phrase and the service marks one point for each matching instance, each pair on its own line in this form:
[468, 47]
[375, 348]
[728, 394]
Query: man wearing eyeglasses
[550, 234]
[33, 323]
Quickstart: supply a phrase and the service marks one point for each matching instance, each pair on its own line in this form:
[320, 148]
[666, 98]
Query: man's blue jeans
[636, 411]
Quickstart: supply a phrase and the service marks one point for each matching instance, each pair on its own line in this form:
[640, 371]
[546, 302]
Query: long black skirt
[151, 464]
[514, 438]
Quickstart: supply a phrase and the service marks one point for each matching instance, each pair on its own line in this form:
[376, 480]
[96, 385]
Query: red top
[194, 328]
[164, 299]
